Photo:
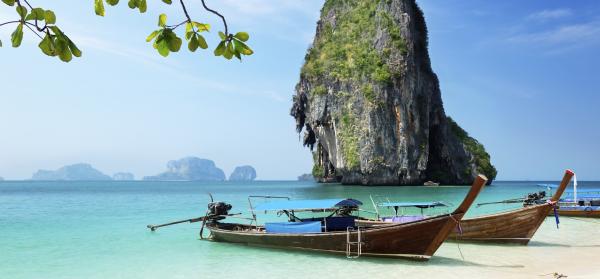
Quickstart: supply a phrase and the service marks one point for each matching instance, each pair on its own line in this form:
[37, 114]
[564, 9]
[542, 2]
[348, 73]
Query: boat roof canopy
[307, 204]
[581, 190]
[411, 204]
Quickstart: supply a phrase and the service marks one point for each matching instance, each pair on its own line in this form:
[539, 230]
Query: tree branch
[216, 13]
[34, 32]
[26, 2]
[9, 22]
[185, 12]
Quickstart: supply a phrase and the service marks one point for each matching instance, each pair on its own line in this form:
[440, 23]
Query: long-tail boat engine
[218, 208]
[535, 198]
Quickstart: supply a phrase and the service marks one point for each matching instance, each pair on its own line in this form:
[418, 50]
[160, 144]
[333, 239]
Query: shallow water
[98, 230]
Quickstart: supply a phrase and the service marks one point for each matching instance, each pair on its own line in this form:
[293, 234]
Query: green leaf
[163, 48]
[228, 51]
[112, 2]
[62, 48]
[162, 20]
[242, 36]
[47, 46]
[73, 47]
[9, 2]
[222, 35]
[17, 36]
[202, 42]
[175, 44]
[132, 4]
[243, 48]
[202, 26]
[167, 2]
[152, 35]
[188, 28]
[220, 49]
[37, 14]
[193, 44]
[143, 6]
[22, 11]
[98, 8]
[50, 17]
[0, 43]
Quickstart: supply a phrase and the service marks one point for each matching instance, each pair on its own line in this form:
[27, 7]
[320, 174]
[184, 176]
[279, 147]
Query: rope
[459, 232]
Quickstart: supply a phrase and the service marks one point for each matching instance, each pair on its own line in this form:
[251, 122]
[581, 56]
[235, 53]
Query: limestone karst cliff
[243, 173]
[370, 104]
[190, 169]
[81, 171]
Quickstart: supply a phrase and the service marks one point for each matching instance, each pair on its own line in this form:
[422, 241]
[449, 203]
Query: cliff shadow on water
[370, 105]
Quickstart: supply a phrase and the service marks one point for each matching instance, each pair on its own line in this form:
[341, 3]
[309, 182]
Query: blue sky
[521, 77]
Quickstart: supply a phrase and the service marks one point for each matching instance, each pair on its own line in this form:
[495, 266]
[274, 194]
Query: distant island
[306, 177]
[123, 176]
[243, 173]
[190, 169]
[1, 178]
[79, 172]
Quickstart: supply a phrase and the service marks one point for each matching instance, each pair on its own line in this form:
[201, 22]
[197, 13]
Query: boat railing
[263, 197]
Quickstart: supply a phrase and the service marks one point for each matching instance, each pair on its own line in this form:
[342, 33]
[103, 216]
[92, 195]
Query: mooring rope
[460, 232]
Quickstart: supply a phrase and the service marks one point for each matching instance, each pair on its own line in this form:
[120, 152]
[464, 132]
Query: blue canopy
[580, 190]
[307, 204]
[412, 204]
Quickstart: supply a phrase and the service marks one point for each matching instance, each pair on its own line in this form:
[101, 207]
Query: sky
[520, 76]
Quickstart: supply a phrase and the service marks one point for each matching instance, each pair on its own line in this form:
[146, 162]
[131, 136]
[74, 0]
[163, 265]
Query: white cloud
[550, 14]
[574, 35]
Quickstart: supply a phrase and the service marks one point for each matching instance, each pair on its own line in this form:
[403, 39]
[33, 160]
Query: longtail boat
[337, 233]
[578, 203]
[515, 226]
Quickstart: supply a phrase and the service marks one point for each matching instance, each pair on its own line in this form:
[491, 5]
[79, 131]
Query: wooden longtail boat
[415, 240]
[582, 203]
[515, 226]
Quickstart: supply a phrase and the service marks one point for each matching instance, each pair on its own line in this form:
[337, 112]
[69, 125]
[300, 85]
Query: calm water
[98, 230]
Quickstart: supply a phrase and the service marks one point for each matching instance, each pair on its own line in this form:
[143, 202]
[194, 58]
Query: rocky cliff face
[190, 169]
[243, 173]
[370, 105]
[71, 172]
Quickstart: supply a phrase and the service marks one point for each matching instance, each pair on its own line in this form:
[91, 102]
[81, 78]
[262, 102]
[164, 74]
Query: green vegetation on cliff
[346, 52]
[348, 134]
[481, 157]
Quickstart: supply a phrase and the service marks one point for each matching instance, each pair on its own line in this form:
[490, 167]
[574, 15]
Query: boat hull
[416, 240]
[515, 226]
[579, 212]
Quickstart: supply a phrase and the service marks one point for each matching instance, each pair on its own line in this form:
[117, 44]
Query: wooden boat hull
[416, 240]
[515, 226]
[578, 213]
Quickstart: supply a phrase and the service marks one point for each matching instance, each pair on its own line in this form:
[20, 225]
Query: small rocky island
[123, 176]
[76, 172]
[243, 173]
[190, 169]
[306, 177]
[370, 104]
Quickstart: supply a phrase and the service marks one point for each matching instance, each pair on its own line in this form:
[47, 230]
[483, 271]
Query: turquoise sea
[98, 230]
